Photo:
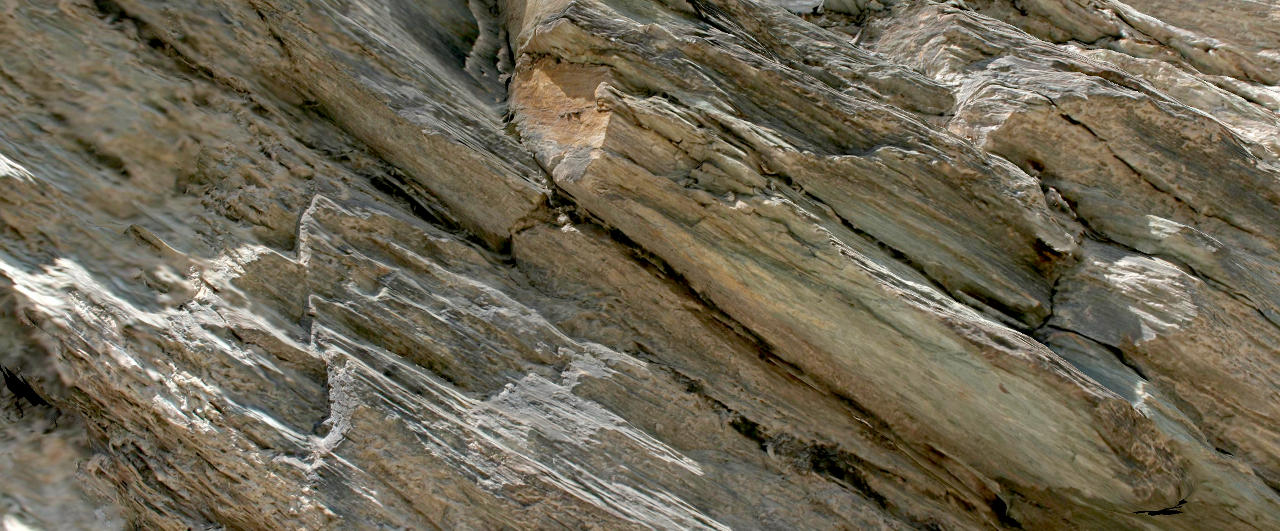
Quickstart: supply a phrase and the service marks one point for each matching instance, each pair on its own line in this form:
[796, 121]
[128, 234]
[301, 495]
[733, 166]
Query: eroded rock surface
[640, 264]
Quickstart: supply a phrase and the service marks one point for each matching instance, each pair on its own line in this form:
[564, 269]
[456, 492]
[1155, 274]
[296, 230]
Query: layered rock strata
[640, 264]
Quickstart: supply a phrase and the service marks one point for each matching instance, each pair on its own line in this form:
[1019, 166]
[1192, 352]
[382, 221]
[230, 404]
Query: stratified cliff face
[615, 264]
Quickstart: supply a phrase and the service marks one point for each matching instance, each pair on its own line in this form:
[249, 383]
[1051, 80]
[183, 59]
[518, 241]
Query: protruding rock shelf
[640, 264]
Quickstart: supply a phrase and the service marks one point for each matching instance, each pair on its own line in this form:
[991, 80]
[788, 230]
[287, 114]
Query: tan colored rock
[615, 264]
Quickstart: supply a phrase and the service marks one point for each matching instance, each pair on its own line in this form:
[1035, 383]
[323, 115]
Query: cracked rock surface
[640, 264]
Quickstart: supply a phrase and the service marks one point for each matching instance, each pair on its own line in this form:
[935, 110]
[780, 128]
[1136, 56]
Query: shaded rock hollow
[616, 264]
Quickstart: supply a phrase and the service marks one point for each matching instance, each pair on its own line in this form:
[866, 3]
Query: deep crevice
[1115, 351]
[116, 15]
[826, 459]
[22, 390]
[1176, 509]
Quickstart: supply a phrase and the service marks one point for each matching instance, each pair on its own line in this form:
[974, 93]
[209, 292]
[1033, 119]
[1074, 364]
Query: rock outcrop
[614, 264]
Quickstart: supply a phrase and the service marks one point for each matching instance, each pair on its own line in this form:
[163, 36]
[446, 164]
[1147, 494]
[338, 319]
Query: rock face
[615, 264]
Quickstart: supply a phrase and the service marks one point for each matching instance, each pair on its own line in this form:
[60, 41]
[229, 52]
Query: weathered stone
[617, 264]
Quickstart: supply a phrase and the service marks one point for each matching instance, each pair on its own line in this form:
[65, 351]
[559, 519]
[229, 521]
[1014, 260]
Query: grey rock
[613, 264]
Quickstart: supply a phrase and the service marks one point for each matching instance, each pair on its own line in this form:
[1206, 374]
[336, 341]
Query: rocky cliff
[616, 264]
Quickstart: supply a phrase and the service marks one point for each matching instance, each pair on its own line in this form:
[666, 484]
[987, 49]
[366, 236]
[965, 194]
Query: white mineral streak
[634, 264]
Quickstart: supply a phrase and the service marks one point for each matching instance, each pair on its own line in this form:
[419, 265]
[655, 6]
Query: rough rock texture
[616, 264]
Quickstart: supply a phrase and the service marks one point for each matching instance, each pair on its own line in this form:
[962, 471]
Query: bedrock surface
[637, 264]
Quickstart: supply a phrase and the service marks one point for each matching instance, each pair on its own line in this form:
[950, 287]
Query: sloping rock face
[623, 264]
